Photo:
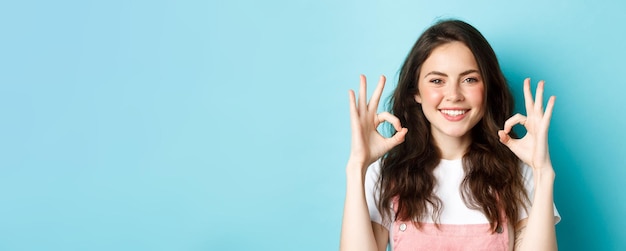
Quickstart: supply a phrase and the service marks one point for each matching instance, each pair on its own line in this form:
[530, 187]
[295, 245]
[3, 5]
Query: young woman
[449, 178]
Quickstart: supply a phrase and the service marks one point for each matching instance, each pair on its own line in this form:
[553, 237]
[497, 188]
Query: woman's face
[450, 89]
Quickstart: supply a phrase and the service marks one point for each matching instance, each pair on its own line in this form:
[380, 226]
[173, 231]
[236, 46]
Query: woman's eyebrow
[438, 73]
[469, 72]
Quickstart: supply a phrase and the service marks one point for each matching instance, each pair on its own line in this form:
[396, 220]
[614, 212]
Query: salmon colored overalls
[405, 236]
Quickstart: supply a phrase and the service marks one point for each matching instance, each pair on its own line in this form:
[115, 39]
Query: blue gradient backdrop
[223, 125]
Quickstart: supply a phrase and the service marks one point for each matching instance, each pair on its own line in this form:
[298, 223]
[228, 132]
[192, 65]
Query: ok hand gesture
[533, 147]
[367, 143]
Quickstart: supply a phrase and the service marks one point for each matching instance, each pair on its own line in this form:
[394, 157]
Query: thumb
[505, 138]
[398, 138]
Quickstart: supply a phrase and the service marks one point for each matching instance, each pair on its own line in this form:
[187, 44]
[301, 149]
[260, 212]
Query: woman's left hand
[533, 147]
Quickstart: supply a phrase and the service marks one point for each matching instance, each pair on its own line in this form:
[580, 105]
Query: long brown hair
[493, 180]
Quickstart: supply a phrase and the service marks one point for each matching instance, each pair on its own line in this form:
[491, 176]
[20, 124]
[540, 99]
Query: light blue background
[223, 125]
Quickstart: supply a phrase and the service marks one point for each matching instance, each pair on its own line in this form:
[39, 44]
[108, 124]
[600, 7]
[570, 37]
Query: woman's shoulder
[527, 173]
[373, 171]
[375, 166]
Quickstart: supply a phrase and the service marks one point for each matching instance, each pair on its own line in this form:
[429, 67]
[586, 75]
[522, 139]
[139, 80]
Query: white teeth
[453, 112]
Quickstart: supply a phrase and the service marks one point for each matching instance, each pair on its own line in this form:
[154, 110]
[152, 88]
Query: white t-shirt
[449, 175]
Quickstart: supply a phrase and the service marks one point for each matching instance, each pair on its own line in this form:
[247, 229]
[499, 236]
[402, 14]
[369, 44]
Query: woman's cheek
[433, 96]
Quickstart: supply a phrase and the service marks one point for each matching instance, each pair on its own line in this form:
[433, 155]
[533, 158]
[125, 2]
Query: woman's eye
[436, 81]
[471, 80]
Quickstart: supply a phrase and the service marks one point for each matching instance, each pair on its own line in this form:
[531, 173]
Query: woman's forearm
[356, 229]
[539, 233]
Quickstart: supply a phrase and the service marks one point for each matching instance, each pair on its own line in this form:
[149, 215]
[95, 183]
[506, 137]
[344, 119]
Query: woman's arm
[358, 233]
[537, 233]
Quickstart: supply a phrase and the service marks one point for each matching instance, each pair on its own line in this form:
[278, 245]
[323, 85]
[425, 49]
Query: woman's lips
[454, 114]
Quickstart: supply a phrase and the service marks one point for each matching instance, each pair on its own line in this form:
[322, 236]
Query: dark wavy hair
[493, 181]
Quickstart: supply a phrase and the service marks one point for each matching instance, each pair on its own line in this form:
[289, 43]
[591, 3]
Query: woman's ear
[418, 98]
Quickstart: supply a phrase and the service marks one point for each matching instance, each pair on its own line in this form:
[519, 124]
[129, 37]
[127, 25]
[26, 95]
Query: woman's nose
[453, 93]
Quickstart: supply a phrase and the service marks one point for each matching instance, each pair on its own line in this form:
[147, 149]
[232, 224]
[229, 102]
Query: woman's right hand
[368, 144]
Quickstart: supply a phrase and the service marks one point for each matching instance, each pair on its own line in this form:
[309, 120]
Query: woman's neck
[452, 147]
